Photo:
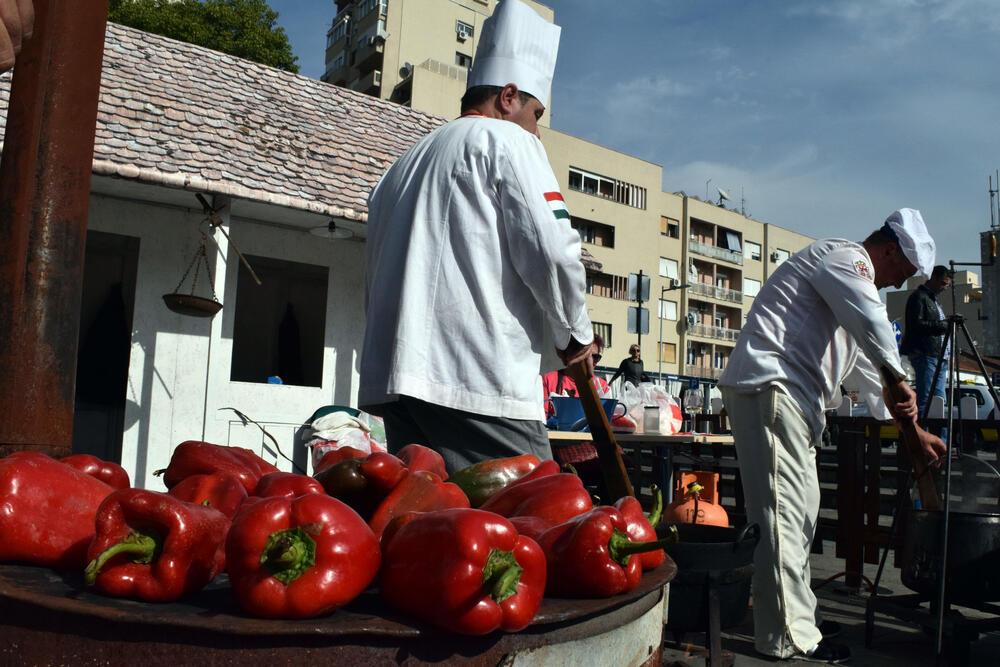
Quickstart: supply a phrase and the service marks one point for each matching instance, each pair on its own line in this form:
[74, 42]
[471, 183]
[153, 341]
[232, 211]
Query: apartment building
[705, 262]
[415, 52]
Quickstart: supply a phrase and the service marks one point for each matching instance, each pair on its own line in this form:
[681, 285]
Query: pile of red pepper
[473, 553]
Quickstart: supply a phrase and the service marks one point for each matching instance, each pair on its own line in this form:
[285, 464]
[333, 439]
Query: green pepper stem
[288, 554]
[621, 548]
[501, 575]
[654, 516]
[142, 547]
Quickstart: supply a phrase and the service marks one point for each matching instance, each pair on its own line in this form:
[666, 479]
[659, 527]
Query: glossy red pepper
[465, 570]
[530, 526]
[420, 491]
[418, 457]
[47, 510]
[552, 498]
[591, 555]
[642, 528]
[481, 480]
[193, 457]
[363, 483]
[299, 558]
[339, 454]
[219, 490]
[286, 485]
[155, 547]
[108, 472]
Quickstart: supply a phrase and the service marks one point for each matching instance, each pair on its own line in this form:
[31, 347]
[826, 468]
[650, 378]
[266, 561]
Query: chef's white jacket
[469, 255]
[817, 323]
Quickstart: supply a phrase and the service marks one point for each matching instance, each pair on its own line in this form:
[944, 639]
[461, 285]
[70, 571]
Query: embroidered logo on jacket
[861, 266]
[557, 205]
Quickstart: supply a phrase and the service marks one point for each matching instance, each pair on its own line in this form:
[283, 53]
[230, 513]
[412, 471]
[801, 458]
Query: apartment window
[668, 353]
[594, 232]
[279, 325]
[609, 188]
[603, 329]
[779, 256]
[341, 28]
[368, 5]
[751, 287]
[720, 359]
[670, 227]
[462, 59]
[668, 309]
[463, 31]
[730, 240]
[751, 250]
[692, 356]
[668, 267]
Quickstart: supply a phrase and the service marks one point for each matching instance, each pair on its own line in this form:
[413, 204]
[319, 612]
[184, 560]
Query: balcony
[703, 372]
[715, 252]
[368, 83]
[718, 333]
[721, 293]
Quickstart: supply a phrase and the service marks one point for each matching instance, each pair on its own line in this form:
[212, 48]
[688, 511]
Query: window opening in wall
[668, 267]
[668, 353]
[720, 359]
[609, 188]
[279, 325]
[779, 256]
[670, 227]
[751, 287]
[730, 240]
[462, 59]
[603, 329]
[668, 309]
[751, 250]
[463, 31]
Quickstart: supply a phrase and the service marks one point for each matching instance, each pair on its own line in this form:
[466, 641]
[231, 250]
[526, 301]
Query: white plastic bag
[339, 429]
[637, 398]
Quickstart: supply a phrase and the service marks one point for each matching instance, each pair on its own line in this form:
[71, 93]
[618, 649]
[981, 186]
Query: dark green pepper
[481, 480]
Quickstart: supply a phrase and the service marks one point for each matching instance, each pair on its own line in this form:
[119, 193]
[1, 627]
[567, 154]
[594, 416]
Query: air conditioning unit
[774, 256]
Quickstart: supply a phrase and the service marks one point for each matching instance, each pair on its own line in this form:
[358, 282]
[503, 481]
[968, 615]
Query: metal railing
[715, 252]
[721, 333]
[721, 293]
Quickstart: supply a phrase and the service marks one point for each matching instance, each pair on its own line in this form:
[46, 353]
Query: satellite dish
[723, 196]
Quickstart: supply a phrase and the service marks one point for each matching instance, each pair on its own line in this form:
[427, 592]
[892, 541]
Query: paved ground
[895, 643]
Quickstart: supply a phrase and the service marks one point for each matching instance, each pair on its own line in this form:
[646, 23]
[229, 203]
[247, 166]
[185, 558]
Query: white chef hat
[516, 46]
[907, 228]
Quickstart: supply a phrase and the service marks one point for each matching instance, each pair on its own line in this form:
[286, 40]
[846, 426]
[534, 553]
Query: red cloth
[550, 384]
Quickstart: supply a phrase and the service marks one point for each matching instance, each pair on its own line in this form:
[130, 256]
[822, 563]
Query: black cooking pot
[973, 555]
[711, 556]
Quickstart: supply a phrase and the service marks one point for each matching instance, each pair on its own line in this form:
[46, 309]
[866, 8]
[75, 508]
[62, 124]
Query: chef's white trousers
[777, 458]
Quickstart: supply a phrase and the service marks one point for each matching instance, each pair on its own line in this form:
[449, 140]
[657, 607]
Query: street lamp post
[675, 285]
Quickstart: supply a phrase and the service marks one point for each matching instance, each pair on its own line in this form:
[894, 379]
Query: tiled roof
[184, 116]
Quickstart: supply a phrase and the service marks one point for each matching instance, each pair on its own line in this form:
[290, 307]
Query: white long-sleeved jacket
[469, 254]
[817, 323]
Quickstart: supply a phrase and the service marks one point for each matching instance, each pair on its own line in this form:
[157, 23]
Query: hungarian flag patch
[861, 266]
[557, 205]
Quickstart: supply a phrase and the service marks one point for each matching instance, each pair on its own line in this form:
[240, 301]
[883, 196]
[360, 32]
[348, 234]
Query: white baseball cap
[516, 46]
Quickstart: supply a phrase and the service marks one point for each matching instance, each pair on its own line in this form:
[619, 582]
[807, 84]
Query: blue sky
[825, 114]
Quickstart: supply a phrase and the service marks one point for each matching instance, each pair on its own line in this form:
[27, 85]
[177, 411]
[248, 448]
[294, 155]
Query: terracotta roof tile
[184, 116]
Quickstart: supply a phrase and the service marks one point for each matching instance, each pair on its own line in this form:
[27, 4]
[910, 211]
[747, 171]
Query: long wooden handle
[925, 483]
[615, 477]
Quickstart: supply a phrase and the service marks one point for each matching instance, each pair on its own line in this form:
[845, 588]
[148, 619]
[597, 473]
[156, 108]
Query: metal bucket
[973, 555]
[711, 556]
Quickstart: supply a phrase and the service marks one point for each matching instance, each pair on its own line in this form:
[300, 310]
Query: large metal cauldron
[973, 555]
[711, 556]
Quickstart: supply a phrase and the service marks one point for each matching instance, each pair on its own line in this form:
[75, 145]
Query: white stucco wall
[179, 368]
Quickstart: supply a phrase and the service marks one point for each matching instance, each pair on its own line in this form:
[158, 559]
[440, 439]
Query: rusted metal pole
[45, 172]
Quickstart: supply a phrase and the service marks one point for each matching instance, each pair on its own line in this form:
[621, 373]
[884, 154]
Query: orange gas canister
[695, 500]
